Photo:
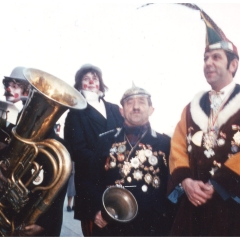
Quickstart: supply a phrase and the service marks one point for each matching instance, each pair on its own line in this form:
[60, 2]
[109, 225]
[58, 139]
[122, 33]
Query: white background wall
[159, 47]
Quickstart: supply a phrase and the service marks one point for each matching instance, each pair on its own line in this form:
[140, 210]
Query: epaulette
[118, 131]
[113, 130]
[153, 133]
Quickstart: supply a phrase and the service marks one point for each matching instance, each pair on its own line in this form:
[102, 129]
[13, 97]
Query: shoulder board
[153, 133]
[118, 131]
[113, 130]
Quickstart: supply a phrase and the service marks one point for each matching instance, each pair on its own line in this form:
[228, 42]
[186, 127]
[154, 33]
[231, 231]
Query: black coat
[82, 129]
[154, 213]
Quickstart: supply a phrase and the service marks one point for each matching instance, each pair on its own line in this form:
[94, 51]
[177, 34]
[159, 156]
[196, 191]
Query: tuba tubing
[48, 99]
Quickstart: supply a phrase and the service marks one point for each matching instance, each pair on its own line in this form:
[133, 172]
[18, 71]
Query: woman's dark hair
[86, 69]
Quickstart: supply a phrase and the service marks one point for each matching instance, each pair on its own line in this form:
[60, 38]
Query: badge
[197, 138]
[120, 157]
[38, 180]
[156, 182]
[213, 170]
[148, 152]
[122, 148]
[146, 168]
[234, 148]
[209, 140]
[144, 188]
[236, 138]
[135, 162]
[151, 168]
[148, 178]
[129, 179]
[220, 142]
[189, 138]
[126, 168]
[141, 156]
[113, 150]
[153, 160]
[156, 171]
[209, 153]
[112, 164]
[137, 174]
[189, 148]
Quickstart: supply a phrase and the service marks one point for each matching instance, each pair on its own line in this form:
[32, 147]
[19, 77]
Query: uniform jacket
[82, 128]
[152, 218]
[221, 168]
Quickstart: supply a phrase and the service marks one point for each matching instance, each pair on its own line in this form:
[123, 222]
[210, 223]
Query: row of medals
[210, 140]
[118, 153]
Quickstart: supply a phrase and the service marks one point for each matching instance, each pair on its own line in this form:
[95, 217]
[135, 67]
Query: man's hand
[197, 192]
[31, 231]
[99, 221]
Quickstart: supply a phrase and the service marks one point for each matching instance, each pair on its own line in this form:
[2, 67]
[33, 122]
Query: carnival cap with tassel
[215, 38]
[133, 91]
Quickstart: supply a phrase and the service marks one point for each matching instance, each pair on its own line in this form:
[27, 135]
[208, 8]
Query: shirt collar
[227, 89]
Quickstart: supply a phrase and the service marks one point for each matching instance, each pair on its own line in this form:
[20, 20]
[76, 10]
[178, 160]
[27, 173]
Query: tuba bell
[48, 99]
[119, 205]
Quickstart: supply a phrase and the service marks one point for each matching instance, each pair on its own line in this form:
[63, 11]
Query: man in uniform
[136, 158]
[205, 158]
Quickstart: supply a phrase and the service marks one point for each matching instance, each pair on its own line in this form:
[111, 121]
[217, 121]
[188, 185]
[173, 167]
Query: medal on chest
[144, 166]
[236, 139]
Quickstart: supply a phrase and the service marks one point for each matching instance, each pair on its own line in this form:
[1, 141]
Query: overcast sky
[158, 47]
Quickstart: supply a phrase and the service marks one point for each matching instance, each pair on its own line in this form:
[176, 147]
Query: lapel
[200, 109]
[94, 116]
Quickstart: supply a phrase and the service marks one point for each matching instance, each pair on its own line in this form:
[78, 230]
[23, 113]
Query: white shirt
[93, 99]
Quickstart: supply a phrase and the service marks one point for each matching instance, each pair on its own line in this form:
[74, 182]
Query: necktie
[216, 100]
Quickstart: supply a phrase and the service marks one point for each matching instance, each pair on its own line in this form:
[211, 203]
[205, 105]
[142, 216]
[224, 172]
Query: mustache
[8, 94]
[136, 110]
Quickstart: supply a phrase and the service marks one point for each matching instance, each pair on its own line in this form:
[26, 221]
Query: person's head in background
[89, 78]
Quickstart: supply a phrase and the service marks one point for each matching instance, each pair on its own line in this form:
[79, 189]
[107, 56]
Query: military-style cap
[133, 92]
[215, 38]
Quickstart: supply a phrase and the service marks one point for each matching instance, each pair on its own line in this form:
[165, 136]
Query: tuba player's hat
[16, 74]
[133, 91]
[18, 77]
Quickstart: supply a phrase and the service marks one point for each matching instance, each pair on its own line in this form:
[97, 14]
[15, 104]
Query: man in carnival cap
[204, 157]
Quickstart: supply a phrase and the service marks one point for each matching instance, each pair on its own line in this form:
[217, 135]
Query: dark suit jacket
[81, 131]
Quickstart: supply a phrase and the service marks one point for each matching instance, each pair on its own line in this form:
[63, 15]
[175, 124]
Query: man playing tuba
[50, 222]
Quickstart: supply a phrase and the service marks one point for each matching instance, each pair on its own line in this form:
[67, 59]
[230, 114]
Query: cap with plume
[215, 38]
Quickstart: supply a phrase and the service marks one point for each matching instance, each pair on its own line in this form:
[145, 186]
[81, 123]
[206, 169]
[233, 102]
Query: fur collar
[200, 117]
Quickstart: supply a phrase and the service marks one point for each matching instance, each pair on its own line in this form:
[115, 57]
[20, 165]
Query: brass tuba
[48, 99]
